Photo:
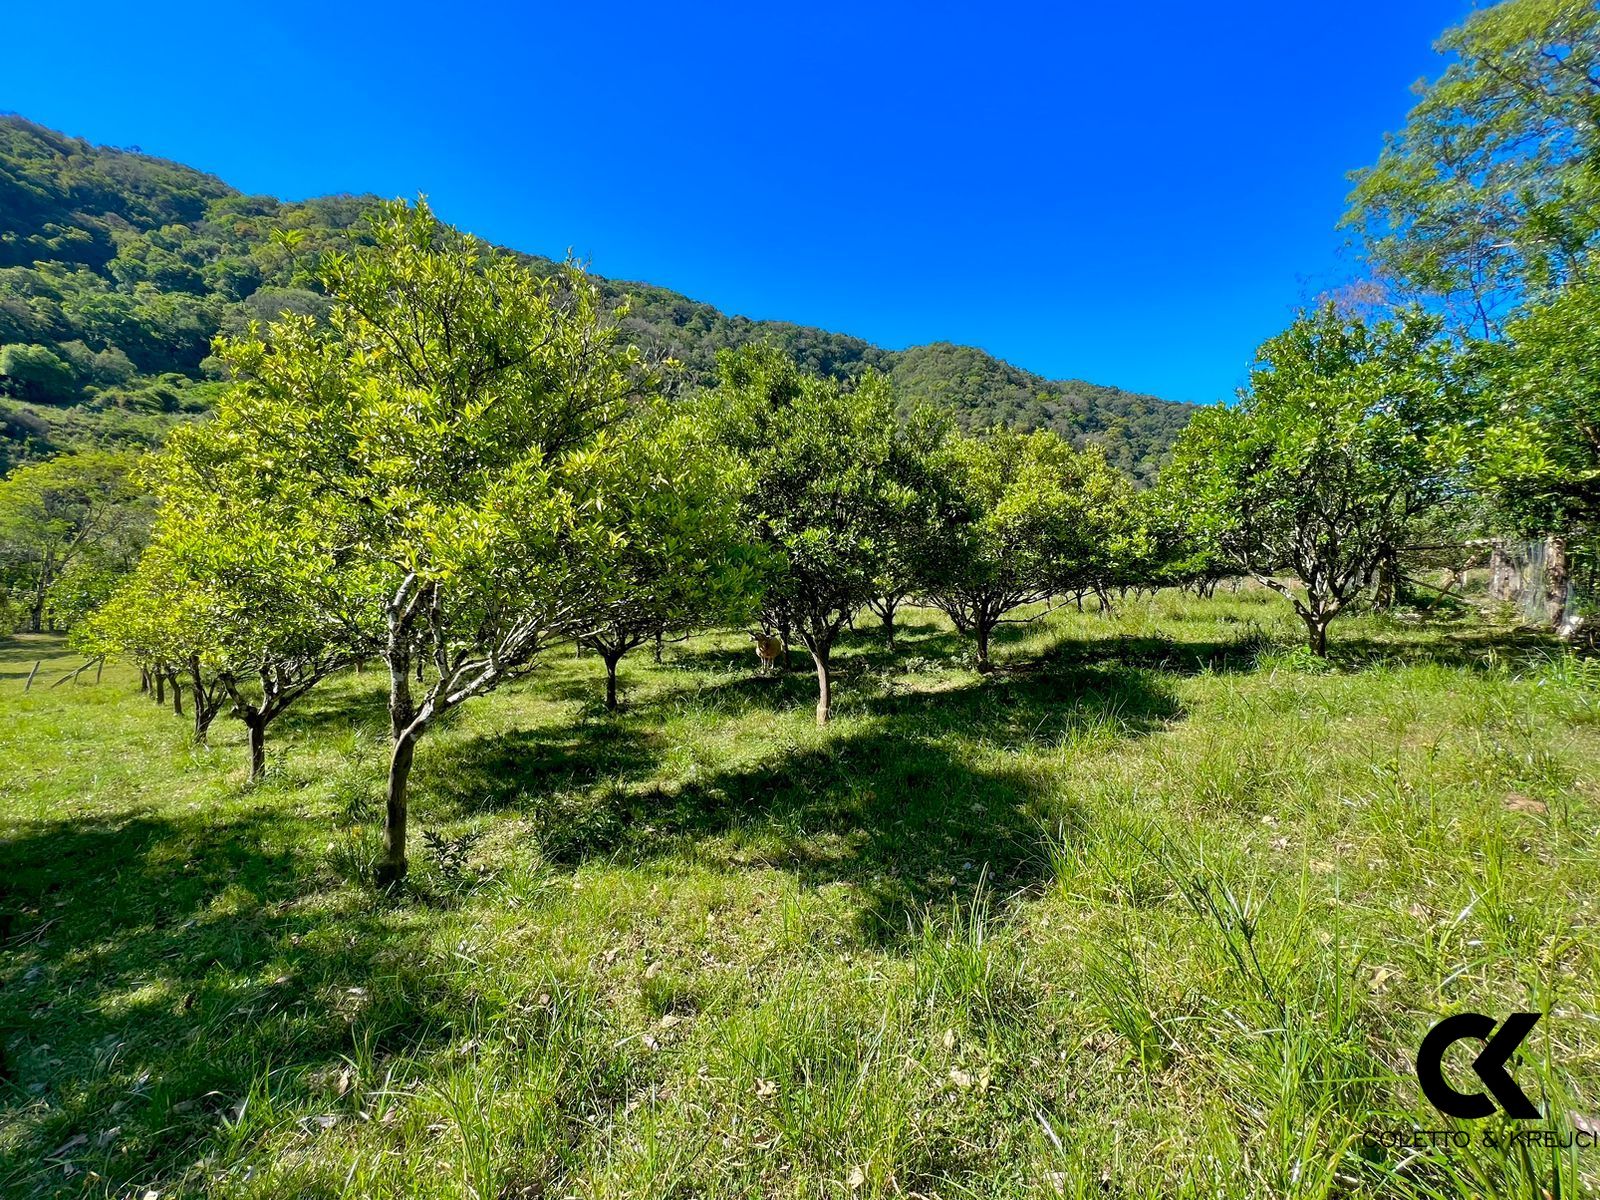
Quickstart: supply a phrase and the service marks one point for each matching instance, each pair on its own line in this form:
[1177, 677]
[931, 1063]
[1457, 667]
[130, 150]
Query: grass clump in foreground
[1159, 908]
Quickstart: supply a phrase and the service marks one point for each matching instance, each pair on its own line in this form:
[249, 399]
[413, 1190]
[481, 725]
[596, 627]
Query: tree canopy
[1322, 466]
[1490, 194]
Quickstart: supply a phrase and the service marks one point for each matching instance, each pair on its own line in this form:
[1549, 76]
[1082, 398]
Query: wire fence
[1545, 580]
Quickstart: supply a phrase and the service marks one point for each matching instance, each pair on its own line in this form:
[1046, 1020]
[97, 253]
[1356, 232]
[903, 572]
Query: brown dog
[768, 647]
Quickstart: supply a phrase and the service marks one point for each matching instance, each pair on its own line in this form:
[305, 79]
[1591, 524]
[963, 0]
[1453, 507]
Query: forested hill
[117, 268]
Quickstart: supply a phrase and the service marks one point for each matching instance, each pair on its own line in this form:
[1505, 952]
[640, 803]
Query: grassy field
[1163, 907]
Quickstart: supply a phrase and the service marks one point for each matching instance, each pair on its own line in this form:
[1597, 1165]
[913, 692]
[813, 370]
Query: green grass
[1162, 907]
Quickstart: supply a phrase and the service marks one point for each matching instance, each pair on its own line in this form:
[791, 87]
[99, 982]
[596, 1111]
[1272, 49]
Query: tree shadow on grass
[1155, 652]
[1034, 704]
[348, 701]
[523, 768]
[865, 644]
[1476, 647]
[150, 968]
[910, 810]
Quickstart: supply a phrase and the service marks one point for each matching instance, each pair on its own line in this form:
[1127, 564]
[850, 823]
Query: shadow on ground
[151, 967]
[1466, 646]
[1155, 653]
[910, 807]
[347, 702]
[524, 768]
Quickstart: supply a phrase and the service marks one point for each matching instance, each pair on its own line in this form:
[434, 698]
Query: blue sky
[1131, 194]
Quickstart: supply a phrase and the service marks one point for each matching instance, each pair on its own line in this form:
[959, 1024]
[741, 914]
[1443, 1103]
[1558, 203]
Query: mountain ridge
[118, 267]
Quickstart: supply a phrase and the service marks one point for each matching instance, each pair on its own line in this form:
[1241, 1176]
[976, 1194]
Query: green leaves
[1325, 463]
[1489, 194]
[832, 481]
[1028, 516]
[1532, 439]
[676, 555]
[68, 527]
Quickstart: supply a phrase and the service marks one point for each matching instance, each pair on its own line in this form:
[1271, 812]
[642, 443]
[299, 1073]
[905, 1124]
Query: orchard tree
[447, 434]
[68, 527]
[1101, 541]
[250, 619]
[1531, 436]
[1025, 516]
[925, 432]
[830, 490]
[1173, 552]
[160, 621]
[1324, 464]
[282, 609]
[1490, 195]
[679, 558]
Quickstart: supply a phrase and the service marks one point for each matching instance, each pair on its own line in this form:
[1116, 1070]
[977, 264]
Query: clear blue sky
[1131, 194]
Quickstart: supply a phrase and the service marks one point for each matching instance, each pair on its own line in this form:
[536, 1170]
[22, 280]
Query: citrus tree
[447, 436]
[1325, 463]
[679, 558]
[1026, 516]
[831, 488]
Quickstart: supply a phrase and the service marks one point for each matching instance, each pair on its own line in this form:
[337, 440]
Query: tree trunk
[661, 637]
[402, 716]
[820, 655]
[889, 607]
[205, 707]
[392, 869]
[611, 680]
[161, 688]
[1317, 631]
[981, 630]
[256, 734]
[1387, 568]
[177, 695]
[144, 680]
[1557, 572]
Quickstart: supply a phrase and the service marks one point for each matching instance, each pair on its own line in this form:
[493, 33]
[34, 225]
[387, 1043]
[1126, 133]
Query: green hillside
[117, 269]
[982, 390]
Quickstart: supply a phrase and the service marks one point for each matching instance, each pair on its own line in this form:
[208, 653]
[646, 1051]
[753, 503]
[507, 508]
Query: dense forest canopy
[117, 269]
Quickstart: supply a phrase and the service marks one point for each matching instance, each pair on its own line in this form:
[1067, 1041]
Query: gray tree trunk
[821, 655]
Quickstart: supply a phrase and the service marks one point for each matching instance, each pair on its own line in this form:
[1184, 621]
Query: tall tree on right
[1541, 448]
[1530, 435]
[1490, 194]
[1325, 463]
